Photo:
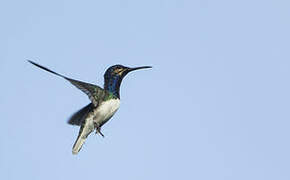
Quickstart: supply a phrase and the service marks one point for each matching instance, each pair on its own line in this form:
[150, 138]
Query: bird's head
[120, 71]
[114, 75]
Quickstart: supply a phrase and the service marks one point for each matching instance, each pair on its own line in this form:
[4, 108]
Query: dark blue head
[114, 76]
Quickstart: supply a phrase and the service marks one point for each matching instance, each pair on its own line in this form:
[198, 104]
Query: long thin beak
[136, 68]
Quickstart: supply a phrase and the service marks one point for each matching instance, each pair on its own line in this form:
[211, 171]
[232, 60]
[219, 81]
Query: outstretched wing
[94, 92]
[78, 117]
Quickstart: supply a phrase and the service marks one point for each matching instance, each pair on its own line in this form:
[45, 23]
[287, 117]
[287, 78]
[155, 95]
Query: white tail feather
[78, 144]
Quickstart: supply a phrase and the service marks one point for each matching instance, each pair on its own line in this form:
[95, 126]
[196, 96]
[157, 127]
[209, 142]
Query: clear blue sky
[215, 105]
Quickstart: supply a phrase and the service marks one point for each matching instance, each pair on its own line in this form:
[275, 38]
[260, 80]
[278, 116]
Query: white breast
[106, 110]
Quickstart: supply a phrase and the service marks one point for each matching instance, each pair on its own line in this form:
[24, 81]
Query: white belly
[106, 110]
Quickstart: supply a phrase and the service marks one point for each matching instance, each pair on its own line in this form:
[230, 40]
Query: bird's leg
[98, 130]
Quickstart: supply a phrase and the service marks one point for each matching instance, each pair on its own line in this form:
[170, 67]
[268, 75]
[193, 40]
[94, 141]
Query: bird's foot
[98, 130]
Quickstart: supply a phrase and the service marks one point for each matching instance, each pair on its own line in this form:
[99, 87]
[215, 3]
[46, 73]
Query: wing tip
[45, 68]
[73, 123]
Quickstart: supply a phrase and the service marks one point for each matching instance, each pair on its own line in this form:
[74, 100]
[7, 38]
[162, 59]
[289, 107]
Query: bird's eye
[118, 71]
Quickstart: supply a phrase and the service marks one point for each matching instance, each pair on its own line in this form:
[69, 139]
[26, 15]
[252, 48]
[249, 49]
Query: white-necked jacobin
[104, 101]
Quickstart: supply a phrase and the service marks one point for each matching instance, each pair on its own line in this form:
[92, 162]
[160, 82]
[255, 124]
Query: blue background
[215, 105]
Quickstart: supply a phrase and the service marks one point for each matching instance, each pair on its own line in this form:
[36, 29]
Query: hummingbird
[104, 101]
